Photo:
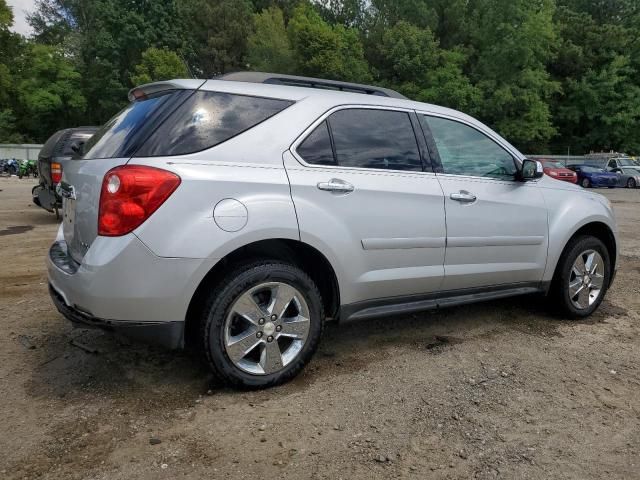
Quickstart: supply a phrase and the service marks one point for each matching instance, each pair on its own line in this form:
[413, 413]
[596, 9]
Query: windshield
[588, 169]
[626, 162]
[550, 164]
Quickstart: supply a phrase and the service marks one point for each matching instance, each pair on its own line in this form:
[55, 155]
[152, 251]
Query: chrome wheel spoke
[583, 298]
[282, 296]
[248, 309]
[575, 287]
[590, 264]
[298, 328]
[271, 358]
[578, 266]
[597, 281]
[240, 345]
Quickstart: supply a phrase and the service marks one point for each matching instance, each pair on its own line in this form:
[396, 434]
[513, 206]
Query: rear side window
[370, 138]
[126, 131]
[316, 148]
[207, 119]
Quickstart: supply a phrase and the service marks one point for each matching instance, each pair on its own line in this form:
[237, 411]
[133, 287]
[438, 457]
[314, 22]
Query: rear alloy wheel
[262, 325]
[631, 183]
[582, 277]
[585, 183]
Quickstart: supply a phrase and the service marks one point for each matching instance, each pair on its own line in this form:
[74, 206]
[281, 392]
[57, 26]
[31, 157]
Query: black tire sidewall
[585, 183]
[561, 282]
[221, 300]
[631, 183]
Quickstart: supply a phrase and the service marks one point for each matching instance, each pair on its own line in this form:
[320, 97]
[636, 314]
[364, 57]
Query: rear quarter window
[207, 119]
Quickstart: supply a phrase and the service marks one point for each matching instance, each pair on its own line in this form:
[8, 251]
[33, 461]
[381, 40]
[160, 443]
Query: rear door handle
[463, 196]
[336, 185]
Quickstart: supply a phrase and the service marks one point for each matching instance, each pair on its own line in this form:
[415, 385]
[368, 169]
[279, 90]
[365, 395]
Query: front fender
[569, 211]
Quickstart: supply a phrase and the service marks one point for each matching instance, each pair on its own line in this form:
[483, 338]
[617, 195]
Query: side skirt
[416, 303]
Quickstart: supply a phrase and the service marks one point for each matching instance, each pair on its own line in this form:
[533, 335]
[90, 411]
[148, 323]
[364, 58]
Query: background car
[594, 177]
[57, 150]
[558, 171]
[628, 176]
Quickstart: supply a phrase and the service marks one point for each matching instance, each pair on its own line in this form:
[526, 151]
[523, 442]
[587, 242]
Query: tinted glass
[316, 148]
[124, 133]
[207, 119]
[591, 169]
[369, 138]
[465, 151]
[549, 164]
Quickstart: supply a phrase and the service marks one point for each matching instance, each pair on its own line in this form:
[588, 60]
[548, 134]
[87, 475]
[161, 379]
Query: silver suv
[238, 214]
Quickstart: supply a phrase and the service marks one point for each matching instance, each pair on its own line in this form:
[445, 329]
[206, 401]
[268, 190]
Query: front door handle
[336, 185]
[463, 196]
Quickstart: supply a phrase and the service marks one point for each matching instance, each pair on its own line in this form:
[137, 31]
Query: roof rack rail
[308, 82]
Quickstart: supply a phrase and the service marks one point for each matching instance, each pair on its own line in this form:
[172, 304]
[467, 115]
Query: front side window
[369, 138]
[466, 151]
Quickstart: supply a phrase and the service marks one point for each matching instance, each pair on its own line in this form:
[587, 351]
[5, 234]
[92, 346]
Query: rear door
[363, 197]
[497, 232]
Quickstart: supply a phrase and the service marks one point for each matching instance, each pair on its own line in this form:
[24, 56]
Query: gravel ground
[494, 390]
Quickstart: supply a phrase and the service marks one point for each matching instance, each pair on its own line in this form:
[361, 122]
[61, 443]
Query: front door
[497, 233]
[363, 198]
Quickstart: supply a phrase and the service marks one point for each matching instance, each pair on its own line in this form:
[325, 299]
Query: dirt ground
[494, 390]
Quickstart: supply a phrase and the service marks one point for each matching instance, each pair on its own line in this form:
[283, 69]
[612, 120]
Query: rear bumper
[167, 334]
[121, 286]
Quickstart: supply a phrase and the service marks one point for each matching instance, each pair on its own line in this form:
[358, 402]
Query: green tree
[599, 108]
[269, 48]
[327, 51]
[158, 64]
[412, 62]
[217, 33]
[49, 93]
[513, 41]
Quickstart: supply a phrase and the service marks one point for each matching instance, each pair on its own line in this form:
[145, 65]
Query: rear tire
[585, 183]
[253, 331]
[577, 291]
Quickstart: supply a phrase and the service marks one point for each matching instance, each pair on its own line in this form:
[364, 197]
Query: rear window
[207, 119]
[126, 131]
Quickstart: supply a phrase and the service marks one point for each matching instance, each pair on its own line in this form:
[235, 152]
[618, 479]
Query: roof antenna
[186, 65]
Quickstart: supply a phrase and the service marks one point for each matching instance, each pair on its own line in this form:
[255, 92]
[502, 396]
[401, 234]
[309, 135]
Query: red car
[558, 171]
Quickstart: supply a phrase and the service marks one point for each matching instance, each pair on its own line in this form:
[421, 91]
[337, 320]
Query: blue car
[594, 177]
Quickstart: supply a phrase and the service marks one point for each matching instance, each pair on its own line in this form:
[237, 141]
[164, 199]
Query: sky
[19, 18]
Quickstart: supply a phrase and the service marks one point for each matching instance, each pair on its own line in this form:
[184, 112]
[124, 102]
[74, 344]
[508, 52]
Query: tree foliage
[547, 74]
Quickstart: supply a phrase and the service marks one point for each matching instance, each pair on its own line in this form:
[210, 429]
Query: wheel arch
[599, 230]
[301, 254]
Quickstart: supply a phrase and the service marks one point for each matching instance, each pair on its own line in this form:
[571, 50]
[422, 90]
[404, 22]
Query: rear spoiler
[150, 88]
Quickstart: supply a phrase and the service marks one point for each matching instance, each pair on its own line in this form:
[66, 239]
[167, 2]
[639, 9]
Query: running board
[393, 306]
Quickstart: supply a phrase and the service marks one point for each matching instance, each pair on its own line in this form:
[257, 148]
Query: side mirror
[531, 169]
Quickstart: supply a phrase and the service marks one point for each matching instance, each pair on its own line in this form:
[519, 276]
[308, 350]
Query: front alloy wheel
[582, 277]
[586, 279]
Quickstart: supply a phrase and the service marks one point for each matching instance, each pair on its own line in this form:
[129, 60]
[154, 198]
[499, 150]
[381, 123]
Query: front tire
[582, 277]
[585, 183]
[631, 183]
[261, 325]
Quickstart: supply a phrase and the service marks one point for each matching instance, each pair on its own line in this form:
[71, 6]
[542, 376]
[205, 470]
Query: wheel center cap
[269, 328]
[586, 280]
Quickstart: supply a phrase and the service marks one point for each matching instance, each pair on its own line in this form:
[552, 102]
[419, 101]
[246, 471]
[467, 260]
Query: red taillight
[56, 172]
[130, 194]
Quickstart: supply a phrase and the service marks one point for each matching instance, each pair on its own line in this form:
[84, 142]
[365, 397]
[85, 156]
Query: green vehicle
[26, 168]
